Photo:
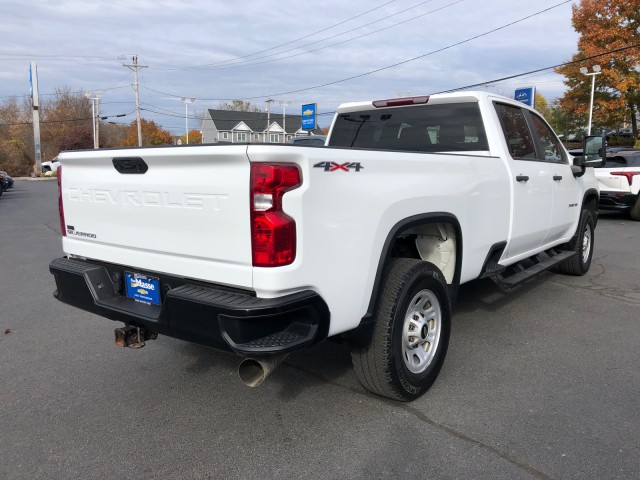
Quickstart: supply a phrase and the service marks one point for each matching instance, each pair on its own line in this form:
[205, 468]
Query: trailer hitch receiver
[133, 337]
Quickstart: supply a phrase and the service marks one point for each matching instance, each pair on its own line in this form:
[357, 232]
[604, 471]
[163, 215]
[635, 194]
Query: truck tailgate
[182, 214]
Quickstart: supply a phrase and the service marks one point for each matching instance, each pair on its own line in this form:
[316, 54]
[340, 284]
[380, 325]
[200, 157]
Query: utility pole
[35, 104]
[135, 67]
[95, 110]
[98, 95]
[93, 116]
[268, 102]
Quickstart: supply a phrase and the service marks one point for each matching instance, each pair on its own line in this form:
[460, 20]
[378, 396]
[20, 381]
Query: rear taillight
[273, 232]
[63, 229]
[629, 175]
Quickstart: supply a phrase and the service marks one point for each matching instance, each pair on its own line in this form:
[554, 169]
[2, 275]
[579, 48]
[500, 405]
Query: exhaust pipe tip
[255, 371]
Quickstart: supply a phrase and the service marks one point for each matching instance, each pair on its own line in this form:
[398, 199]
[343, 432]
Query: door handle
[134, 165]
[557, 178]
[522, 178]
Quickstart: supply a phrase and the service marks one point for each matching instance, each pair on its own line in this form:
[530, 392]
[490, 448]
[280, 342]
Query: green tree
[564, 121]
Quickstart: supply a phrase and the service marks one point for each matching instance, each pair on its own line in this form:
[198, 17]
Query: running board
[536, 265]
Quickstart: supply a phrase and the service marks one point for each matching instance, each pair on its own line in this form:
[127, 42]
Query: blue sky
[288, 50]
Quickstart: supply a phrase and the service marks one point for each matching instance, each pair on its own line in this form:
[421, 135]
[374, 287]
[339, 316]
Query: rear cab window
[445, 127]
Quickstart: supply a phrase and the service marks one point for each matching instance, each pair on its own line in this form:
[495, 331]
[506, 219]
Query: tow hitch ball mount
[133, 337]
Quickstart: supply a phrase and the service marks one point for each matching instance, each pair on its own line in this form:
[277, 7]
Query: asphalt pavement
[542, 382]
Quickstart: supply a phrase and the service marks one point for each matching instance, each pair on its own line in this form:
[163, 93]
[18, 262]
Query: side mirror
[594, 151]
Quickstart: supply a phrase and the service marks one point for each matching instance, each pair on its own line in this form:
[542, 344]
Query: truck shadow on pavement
[330, 361]
[327, 362]
[485, 295]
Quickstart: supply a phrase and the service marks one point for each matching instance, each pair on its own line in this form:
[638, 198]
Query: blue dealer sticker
[142, 288]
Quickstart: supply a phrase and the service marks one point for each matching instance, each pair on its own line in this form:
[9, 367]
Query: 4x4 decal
[336, 167]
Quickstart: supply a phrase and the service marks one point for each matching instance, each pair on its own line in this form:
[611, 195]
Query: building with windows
[228, 126]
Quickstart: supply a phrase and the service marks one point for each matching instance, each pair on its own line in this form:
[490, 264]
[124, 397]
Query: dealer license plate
[143, 288]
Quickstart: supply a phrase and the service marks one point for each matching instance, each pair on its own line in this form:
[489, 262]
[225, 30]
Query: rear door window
[516, 132]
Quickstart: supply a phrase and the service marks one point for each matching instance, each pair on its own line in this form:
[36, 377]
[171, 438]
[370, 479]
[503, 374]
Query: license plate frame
[142, 288]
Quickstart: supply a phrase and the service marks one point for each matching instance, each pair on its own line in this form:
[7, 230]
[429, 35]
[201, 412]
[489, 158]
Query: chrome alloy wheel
[421, 331]
[586, 244]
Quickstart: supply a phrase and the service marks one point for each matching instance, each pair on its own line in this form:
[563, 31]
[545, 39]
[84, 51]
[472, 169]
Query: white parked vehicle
[619, 180]
[51, 166]
[265, 249]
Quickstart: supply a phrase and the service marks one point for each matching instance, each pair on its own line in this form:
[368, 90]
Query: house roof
[256, 121]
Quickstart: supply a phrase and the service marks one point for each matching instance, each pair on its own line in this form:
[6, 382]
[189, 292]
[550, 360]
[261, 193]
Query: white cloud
[169, 35]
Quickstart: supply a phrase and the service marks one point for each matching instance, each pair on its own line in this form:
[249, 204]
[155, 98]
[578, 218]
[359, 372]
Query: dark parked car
[310, 140]
[7, 181]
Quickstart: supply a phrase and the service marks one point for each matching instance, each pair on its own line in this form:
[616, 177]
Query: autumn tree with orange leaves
[195, 136]
[604, 26]
[152, 134]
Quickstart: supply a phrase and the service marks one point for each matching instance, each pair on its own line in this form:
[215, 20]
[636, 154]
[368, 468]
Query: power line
[580, 60]
[467, 87]
[292, 41]
[337, 43]
[475, 37]
[244, 64]
[73, 92]
[48, 121]
[32, 56]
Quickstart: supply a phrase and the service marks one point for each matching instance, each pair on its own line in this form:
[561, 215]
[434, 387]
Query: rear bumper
[619, 201]
[203, 313]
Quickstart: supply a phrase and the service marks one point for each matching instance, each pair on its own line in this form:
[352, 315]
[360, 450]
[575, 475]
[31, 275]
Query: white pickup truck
[264, 249]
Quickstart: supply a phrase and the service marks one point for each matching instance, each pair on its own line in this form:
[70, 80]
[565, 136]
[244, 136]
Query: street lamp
[284, 104]
[596, 71]
[96, 128]
[187, 101]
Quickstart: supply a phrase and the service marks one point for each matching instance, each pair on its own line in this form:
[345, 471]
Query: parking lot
[542, 382]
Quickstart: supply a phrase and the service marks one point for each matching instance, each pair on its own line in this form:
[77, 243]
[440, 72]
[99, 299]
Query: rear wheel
[582, 244]
[635, 211]
[404, 349]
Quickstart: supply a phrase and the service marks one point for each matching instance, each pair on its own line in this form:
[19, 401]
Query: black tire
[635, 211]
[582, 244]
[380, 363]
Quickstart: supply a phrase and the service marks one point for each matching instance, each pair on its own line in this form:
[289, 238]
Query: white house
[251, 127]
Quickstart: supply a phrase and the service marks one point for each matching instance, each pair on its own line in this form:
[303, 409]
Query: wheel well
[432, 237]
[433, 242]
[590, 202]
